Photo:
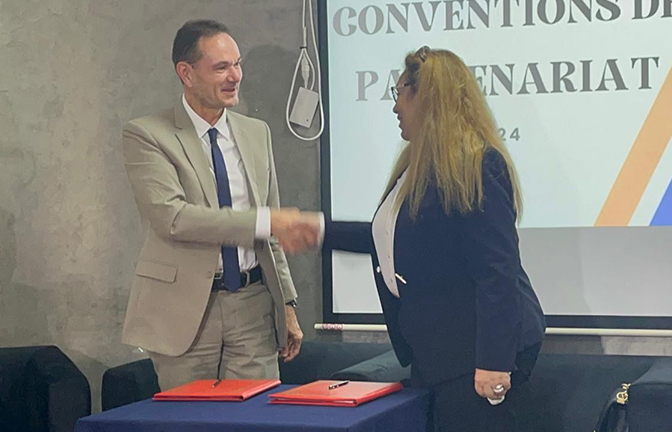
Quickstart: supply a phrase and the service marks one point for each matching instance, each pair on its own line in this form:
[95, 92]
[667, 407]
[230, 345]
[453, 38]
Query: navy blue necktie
[229, 254]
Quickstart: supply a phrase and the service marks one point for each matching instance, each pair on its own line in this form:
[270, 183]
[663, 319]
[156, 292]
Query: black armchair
[41, 390]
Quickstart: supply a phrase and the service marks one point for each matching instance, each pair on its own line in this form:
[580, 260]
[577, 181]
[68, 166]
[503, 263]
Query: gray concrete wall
[73, 72]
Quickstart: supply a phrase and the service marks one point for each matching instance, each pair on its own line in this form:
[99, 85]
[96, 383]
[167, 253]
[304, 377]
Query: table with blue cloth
[404, 411]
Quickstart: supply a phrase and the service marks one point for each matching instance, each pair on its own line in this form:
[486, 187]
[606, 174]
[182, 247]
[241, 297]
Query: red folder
[341, 393]
[225, 390]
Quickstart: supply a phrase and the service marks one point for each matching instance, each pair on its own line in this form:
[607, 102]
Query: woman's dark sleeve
[491, 248]
[349, 236]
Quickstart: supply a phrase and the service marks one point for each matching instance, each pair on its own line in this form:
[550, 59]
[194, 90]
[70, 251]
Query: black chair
[566, 392]
[136, 381]
[382, 368]
[320, 360]
[128, 383]
[41, 390]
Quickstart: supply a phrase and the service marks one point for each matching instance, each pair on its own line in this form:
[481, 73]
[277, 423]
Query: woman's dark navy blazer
[467, 302]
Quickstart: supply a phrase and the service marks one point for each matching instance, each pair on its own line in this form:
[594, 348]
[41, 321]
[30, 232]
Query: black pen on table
[216, 383]
[338, 384]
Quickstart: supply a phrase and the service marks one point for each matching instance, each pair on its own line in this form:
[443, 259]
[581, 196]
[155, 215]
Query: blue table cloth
[405, 411]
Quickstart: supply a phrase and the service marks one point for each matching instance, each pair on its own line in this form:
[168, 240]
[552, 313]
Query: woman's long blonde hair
[457, 128]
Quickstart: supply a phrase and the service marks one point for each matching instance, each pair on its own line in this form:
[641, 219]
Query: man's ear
[184, 71]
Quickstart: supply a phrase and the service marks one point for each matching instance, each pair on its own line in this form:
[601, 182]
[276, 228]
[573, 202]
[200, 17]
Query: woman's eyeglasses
[422, 54]
[394, 90]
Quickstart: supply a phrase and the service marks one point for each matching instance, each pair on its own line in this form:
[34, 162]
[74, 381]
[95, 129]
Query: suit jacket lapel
[194, 150]
[246, 151]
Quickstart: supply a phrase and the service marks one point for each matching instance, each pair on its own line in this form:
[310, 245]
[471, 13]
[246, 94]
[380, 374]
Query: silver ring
[498, 388]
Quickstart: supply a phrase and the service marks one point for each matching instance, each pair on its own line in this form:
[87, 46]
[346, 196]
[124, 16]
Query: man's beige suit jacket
[185, 228]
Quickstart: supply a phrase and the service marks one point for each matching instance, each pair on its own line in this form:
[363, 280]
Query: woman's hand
[487, 383]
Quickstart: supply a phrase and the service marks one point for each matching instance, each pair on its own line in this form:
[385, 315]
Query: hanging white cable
[308, 72]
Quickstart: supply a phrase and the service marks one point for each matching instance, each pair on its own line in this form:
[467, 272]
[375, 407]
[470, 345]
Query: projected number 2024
[509, 134]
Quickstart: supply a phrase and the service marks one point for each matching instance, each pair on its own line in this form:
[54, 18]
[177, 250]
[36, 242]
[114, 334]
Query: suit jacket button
[378, 269]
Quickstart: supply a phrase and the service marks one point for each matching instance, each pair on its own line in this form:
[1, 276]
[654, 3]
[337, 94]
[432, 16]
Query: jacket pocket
[158, 271]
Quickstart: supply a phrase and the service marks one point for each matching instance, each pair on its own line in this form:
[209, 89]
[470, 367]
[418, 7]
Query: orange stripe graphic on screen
[641, 162]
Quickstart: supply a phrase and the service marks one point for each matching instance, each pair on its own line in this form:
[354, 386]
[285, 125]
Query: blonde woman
[458, 305]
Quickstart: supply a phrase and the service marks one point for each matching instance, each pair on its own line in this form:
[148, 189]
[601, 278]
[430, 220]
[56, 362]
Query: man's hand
[294, 230]
[294, 336]
[309, 227]
[486, 383]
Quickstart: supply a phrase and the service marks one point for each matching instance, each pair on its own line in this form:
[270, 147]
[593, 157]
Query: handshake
[295, 230]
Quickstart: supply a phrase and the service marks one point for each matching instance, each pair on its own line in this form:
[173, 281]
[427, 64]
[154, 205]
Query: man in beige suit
[212, 295]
